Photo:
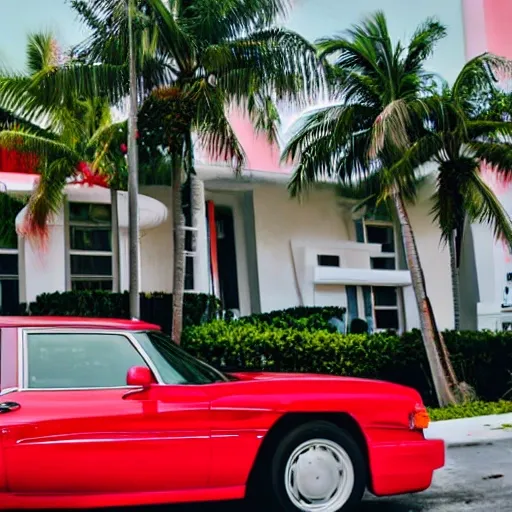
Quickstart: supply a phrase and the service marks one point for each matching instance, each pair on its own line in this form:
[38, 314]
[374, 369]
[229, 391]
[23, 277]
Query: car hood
[279, 375]
[334, 383]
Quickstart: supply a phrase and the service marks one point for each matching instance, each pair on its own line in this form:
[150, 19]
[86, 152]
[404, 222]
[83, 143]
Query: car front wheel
[318, 468]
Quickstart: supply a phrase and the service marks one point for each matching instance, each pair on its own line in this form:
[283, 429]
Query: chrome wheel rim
[319, 476]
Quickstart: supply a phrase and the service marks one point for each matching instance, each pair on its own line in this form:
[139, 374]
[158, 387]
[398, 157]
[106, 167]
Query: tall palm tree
[382, 96]
[75, 130]
[195, 59]
[461, 145]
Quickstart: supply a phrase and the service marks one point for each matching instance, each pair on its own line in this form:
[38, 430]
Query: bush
[300, 318]
[155, 307]
[482, 359]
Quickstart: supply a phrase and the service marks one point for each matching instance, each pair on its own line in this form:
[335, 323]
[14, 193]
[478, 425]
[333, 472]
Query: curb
[472, 432]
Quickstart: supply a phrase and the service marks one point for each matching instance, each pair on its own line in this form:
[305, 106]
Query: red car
[98, 413]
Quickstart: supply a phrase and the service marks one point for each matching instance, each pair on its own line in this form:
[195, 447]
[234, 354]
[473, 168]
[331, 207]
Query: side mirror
[139, 376]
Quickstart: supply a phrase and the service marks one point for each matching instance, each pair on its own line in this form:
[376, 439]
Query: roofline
[210, 172]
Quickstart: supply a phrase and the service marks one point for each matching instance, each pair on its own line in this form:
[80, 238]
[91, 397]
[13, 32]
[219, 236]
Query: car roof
[76, 322]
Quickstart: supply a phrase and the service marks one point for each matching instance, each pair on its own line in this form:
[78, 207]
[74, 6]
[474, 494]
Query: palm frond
[265, 116]
[42, 53]
[217, 21]
[330, 144]
[273, 62]
[174, 37]
[489, 129]
[56, 163]
[391, 128]
[214, 130]
[496, 155]
[46, 200]
[483, 206]
[48, 150]
[480, 73]
[13, 122]
[422, 44]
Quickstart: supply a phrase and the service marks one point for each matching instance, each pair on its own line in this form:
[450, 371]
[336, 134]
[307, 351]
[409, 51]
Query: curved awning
[152, 212]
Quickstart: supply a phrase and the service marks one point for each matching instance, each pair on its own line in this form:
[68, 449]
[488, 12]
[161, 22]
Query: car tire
[318, 464]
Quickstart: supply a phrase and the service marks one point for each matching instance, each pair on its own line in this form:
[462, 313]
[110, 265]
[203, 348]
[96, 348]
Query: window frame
[80, 252]
[397, 308]
[382, 224]
[389, 255]
[23, 341]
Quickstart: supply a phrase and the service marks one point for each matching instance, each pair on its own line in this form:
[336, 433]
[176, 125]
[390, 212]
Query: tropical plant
[196, 59]
[74, 144]
[381, 94]
[461, 145]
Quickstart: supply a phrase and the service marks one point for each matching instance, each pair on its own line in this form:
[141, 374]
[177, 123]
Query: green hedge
[154, 307]
[483, 359]
[300, 318]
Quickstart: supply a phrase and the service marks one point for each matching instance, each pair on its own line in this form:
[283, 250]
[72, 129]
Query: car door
[80, 429]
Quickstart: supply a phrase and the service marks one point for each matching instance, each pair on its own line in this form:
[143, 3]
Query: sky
[311, 18]
[21, 17]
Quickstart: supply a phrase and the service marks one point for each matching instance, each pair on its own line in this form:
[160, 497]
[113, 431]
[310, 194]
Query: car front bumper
[405, 467]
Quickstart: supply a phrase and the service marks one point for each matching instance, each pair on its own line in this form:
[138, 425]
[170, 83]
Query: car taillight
[419, 419]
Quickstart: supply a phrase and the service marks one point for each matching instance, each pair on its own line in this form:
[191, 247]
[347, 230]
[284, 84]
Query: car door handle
[8, 407]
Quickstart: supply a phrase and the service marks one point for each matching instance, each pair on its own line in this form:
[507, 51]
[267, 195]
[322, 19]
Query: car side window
[79, 360]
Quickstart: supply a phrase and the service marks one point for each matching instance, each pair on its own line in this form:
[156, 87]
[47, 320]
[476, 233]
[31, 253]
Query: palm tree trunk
[116, 259]
[179, 251]
[454, 269]
[430, 334]
[133, 174]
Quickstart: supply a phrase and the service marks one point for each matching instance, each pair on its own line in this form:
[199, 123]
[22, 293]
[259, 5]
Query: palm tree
[196, 59]
[461, 144]
[78, 130]
[382, 94]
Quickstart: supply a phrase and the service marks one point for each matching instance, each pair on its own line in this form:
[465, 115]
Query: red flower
[124, 148]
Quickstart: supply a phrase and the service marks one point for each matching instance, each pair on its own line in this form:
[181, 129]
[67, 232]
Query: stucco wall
[319, 220]
[156, 247]
[278, 221]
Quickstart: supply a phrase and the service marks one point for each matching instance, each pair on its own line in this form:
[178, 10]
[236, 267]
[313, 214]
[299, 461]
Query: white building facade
[260, 250]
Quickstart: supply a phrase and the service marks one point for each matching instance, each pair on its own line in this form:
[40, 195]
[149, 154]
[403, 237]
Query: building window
[90, 247]
[385, 299]
[328, 260]
[385, 307]
[9, 272]
[384, 235]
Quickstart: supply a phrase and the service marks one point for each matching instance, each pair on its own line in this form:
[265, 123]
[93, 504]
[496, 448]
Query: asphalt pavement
[475, 479]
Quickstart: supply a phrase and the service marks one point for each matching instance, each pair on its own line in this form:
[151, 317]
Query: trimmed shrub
[155, 307]
[482, 359]
[300, 318]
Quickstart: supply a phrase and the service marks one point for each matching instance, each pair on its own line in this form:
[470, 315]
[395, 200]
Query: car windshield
[175, 365]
